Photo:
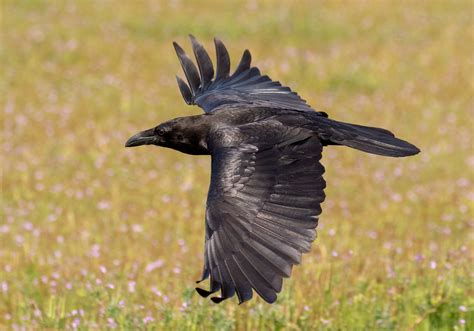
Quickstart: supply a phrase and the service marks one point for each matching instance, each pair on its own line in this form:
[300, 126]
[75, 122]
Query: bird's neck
[195, 129]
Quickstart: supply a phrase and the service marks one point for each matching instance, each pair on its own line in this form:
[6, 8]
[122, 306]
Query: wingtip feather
[202, 292]
[185, 91]
[244, 63]
[206, 69]
[190, 70]
[179, 50]
[223, 60]
[217, 300]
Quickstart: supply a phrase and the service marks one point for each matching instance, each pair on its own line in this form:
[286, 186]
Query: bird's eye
[160, 132]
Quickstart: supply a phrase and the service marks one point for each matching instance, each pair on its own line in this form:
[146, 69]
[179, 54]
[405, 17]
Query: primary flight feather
[266, 183]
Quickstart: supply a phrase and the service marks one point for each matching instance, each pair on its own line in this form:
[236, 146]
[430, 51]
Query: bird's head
[182, 134]
[159, 136]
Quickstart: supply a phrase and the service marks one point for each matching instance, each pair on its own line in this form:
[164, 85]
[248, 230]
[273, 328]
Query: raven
[266, 185]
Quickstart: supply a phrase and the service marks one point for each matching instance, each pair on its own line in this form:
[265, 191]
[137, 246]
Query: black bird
[267, 182]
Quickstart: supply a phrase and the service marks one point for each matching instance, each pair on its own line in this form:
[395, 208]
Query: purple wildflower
[131, 286]
[154, 265]
[148, 319]
[4, 287]
[75, 323]
[111, 323]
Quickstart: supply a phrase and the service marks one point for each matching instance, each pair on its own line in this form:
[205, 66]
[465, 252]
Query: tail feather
[369, 139]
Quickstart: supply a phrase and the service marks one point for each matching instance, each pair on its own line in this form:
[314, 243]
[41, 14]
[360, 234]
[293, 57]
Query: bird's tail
[368, 139]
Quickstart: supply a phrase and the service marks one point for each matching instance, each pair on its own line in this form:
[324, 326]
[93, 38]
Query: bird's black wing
[262, 208]
[245, 86]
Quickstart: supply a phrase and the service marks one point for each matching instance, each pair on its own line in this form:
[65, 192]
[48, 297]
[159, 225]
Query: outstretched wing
[262, 208]
[245, 86]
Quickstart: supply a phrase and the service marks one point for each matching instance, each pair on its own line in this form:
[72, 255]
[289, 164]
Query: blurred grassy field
[94, 236]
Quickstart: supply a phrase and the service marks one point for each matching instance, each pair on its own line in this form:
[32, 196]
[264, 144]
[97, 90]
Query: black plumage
[266, 184]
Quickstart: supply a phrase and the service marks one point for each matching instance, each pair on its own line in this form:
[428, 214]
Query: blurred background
[96, 236]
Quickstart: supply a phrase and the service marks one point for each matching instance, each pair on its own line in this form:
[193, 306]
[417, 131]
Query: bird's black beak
[146, 137]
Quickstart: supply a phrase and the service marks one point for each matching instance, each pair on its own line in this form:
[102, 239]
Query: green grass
[83, 220]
